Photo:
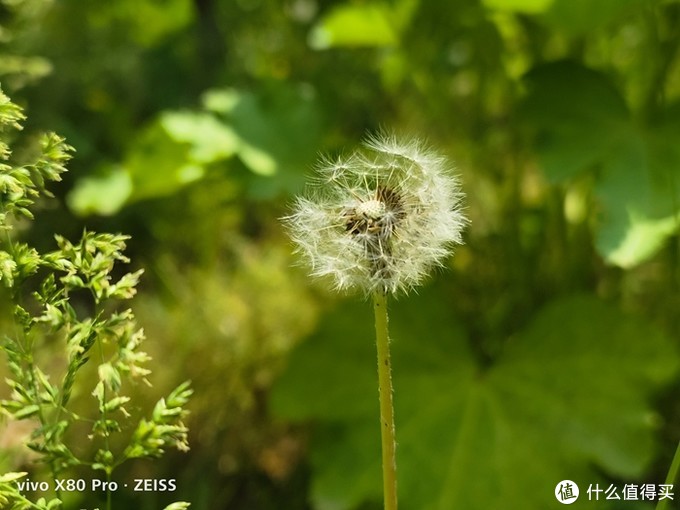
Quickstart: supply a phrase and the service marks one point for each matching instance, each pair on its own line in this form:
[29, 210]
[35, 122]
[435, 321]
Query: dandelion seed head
[379, 219]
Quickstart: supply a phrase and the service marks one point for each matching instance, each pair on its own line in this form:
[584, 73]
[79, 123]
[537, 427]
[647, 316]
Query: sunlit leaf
[259, 161]
[524, 6]
[220, 100]
[103, 195]
[583, 126]
[210, 139]
[32, 67]
[354, 24]
[279, 128]
[169, 154]
[644, 238]
[155, 163]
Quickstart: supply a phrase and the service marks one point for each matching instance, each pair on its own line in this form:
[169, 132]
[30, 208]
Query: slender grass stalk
[387, 429]
[107, 445]
[670, 478]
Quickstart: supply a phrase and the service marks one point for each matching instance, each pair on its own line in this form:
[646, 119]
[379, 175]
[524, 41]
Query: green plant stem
[671, 477]
[104, 413]
[25, 344]
[389, 461]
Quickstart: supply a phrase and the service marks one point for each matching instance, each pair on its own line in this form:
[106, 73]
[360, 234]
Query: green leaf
[582, 125]
[275, 133]
[639, 204]
[210, 139]
[170, 153]
[567, 399]
[651, 200]
[259, 161]
[159, 165]
[523, 6]
[585, 16]
[279, 128]
[578, 116]
[662, 154]
[220, 100]
[103, 195]
[642, 240]
[355, 24]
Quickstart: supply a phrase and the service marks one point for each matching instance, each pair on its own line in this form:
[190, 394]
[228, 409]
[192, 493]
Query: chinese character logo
[566, 492]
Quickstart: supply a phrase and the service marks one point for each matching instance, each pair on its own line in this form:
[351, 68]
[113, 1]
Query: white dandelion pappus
[380, 219]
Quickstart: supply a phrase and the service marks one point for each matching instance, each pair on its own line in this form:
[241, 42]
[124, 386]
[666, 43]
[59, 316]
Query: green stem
[24, 342]
[103, 411]
[671, 477]
[389, 461]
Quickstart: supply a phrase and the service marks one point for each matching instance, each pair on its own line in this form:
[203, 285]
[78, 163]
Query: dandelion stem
[670, 477]
[389, 461]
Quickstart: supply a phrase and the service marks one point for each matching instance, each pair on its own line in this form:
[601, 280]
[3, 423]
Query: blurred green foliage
[546, 405]
[546, 350]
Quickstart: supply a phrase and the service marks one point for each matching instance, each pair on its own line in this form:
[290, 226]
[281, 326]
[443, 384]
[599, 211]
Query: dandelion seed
[380, 219]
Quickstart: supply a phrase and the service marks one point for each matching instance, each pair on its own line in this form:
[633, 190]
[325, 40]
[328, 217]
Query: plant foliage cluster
[67, 296]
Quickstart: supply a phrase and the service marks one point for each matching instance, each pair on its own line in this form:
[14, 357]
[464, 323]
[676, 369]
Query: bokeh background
[546, 349]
